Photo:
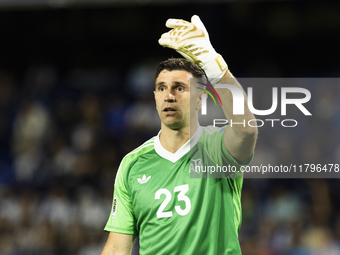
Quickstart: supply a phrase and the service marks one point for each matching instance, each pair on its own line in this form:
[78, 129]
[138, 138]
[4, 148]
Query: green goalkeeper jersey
[156, 198]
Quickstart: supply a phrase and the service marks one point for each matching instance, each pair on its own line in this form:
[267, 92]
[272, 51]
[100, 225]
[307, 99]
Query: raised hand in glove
[191, 40]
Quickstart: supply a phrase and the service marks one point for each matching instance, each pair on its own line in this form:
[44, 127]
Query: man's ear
[199, 101]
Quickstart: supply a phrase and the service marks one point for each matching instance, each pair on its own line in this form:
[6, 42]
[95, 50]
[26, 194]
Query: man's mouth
[169, 110]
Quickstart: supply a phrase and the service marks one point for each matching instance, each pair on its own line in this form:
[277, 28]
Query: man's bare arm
[239, 139]
[118, 244]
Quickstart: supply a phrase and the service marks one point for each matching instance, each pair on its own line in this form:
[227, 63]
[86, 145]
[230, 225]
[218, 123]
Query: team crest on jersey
[114, 209]
[195, 164]
[144, 179]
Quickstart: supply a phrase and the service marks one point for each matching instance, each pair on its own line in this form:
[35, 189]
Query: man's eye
[161, 88]
[180, 89]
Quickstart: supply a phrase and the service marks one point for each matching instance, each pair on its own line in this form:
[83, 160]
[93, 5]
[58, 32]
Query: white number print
[160, 213]
[181, 197]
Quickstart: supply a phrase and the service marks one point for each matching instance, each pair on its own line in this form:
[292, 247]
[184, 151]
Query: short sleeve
[121, 219]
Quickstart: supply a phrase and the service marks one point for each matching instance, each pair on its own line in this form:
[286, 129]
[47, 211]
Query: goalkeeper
[154, 196]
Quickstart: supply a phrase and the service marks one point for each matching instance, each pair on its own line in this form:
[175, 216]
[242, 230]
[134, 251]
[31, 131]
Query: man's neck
[173, 140]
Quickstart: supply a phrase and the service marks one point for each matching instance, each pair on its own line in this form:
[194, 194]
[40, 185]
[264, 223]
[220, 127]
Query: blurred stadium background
[76, 81]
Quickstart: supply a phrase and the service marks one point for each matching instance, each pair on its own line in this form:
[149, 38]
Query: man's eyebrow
[160, 83]
[176, 83]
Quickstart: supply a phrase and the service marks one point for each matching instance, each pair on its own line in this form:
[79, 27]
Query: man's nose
[169, 97]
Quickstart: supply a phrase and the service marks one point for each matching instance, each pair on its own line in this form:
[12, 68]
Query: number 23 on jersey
[182, 189]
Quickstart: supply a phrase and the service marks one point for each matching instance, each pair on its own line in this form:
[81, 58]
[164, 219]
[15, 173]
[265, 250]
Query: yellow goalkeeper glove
[191, 40]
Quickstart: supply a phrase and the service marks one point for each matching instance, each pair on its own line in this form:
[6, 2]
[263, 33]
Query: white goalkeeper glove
[191, 40]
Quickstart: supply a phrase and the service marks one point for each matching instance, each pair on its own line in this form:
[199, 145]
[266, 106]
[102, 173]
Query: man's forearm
[227, 106]
[118, 244]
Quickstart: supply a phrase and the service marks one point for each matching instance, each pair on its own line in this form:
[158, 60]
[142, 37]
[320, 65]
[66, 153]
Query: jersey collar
[173, 157]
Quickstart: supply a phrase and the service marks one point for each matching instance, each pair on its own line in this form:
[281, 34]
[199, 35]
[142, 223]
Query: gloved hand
[191, 40]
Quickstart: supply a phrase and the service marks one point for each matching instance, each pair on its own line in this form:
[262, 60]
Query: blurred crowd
[62, 139]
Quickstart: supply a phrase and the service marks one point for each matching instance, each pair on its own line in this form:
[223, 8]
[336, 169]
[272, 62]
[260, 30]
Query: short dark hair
[181, 64]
